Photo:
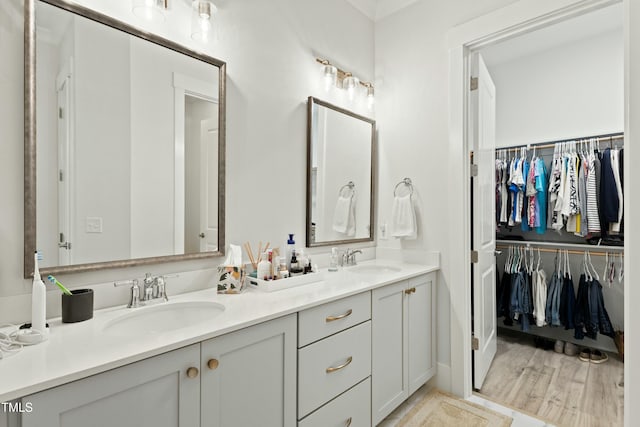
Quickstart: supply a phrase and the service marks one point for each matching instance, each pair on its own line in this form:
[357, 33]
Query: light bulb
[203, 12]
[350, 83]
[330, 75]
[370, 96]
[150, 10]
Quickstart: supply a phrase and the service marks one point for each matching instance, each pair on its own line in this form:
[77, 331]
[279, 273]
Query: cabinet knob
[192, 372]
[213, 364]
[409, 291]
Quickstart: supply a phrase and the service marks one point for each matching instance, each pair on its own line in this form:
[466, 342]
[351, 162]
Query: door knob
[192, 372]
[213, 364]
[201, 235]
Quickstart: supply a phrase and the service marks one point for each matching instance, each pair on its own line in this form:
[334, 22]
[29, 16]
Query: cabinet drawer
[327, 319]
[331, 366]
[352, 408]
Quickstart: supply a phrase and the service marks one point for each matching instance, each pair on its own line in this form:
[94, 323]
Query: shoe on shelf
[585, 355]
[559, 346]
[598, 356]
[570, 349]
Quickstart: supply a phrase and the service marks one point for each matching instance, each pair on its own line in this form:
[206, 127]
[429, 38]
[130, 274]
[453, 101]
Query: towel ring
[348, 186]
[407, 182]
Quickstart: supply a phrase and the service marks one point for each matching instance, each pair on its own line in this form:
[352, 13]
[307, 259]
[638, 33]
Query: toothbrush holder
[78, 306]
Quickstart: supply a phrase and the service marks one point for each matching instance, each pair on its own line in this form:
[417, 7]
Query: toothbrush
[58, 284]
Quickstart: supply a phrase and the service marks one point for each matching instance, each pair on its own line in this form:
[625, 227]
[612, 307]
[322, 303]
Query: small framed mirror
[341, 153]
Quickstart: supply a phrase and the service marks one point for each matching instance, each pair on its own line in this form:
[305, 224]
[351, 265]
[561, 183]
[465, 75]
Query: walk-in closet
[559, 197]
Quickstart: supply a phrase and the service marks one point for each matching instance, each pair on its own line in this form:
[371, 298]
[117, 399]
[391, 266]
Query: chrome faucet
[349, 256]
[153, 287]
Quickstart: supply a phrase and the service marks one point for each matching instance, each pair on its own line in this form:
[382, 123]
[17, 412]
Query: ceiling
[582, 27]
[378, 9]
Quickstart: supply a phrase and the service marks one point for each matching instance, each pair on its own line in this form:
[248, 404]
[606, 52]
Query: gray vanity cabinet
[244, 378]
[403, 336]
[155, 392]
[249, 376]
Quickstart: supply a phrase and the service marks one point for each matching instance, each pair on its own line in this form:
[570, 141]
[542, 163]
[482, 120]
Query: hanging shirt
[541, 195]
[593, 216]
[614, 227]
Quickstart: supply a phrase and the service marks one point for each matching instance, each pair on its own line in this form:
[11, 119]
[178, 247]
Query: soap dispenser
[289, 251]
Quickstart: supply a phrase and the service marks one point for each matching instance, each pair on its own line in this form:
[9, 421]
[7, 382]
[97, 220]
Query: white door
[209, 185]
[482, 119]
[64, 169]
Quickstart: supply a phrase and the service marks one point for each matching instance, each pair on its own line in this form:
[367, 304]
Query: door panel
[482, 116]
[421, 325]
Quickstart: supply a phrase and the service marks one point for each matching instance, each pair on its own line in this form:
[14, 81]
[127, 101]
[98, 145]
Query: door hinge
[474, 83]
[473, 170]
[474, 257]
[475, 343]
[60, 113]
[60, 176]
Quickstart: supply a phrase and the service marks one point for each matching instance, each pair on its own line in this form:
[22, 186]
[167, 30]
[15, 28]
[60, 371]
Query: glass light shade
[150, 10]
[350, 84]
[330, 75]
[202, 20]
[370, 97]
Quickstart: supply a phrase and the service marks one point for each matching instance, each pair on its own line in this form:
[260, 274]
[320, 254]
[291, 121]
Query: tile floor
[519, 419]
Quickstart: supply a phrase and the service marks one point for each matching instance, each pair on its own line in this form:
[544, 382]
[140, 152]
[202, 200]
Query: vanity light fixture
[201, 19]
[335, 77]
[151, 10]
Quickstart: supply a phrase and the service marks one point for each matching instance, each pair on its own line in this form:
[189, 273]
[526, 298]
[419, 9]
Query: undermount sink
[374, 269]
[164, 317]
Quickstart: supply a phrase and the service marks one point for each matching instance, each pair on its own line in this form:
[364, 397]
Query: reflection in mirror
[340, 175]
[129, 147]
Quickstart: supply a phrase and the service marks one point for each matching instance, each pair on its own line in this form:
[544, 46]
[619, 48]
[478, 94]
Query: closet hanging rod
[558, 245]
[552, 144]
[570, 251]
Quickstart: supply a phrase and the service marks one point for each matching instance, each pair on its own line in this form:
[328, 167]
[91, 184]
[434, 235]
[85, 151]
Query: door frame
[516, 19]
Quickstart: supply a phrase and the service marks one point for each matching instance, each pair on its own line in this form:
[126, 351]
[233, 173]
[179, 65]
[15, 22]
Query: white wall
[270, 49]
[573, 90]
[412, 99]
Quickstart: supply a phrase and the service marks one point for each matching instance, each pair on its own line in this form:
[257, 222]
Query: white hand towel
[403, 218]
[344, 218]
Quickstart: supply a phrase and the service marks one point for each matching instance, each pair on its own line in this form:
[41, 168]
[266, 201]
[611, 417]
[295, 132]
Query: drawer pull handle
[192, 372]
[349, 422]
[409, 291]
[213, 364]
[337, 368]
[342, 316]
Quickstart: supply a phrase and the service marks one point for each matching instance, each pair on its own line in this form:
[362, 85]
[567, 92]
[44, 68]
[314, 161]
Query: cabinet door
[249, 376]
[153, 392]
[422, 330]
[389, 334]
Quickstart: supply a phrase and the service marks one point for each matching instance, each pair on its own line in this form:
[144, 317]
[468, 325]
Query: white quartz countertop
[77, 350]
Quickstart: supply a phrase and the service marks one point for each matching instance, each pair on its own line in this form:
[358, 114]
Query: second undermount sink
[374, 269]
[165, 317]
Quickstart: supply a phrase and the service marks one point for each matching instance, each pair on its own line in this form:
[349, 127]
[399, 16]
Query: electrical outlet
[93, 224]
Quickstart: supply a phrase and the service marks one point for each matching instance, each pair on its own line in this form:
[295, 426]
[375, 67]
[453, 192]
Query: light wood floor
[558, 388]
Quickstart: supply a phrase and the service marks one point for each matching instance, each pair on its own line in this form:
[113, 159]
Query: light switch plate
[93, 224]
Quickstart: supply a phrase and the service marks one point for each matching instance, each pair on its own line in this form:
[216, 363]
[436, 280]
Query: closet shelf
[558, 245]
[602, 342]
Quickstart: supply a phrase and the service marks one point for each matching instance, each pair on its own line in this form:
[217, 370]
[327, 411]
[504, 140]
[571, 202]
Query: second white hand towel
[403, 218]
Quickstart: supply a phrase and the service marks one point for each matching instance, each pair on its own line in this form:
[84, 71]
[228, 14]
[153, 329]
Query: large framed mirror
[341, 153]
[124, 144]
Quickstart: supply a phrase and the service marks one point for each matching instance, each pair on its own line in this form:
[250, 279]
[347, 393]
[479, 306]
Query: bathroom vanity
[343, 351]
